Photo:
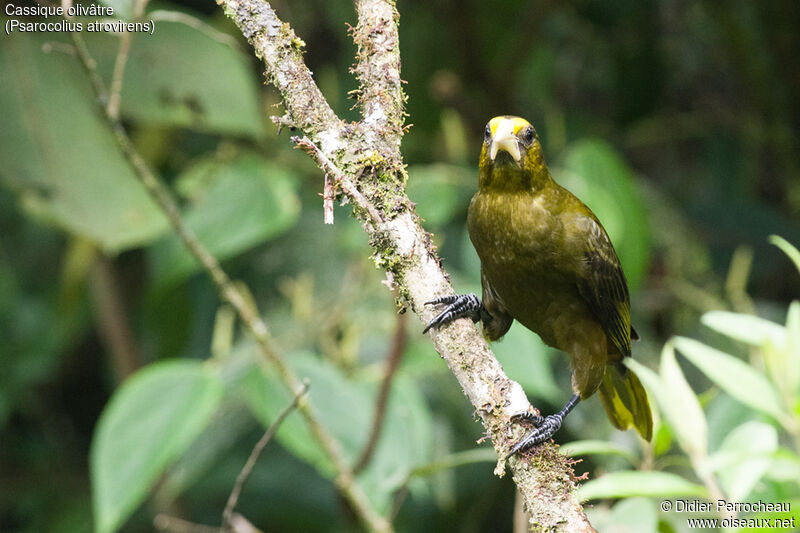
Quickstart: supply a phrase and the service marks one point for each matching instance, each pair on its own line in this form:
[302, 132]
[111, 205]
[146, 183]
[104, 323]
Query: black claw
[443, 300]
[527, 416]
[545, 431]
[458, 306]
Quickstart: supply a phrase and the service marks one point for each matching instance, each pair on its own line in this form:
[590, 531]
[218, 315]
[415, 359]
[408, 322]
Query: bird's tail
[625, 400]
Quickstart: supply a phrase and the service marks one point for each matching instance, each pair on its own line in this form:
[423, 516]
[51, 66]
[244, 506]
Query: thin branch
[123, 52]
[112, 318]
[165, 15]
[227, 514]
[164, 522]
[240, 524]
[736, 282]
[340, 179]
[115, 91]
[56, 46]
[396, 350]
[344, 480]
[328, 196]
[90, 66]
[278, 46]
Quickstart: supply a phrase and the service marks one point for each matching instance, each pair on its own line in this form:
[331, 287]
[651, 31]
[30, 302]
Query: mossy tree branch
[380, 95]
[365, 162]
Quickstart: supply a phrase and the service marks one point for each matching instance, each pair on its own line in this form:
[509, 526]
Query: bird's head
[511, 154]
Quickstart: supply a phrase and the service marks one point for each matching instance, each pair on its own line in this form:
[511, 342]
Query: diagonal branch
[400, 245]
[125, 40]
[113, 323]
[281, 50]
[227, 514]
[397, 347]
[340, 179]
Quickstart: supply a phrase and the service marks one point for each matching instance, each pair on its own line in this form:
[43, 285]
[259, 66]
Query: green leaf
[596, 447]
[788, 249]
[266, 395]
[749, 329]
[244, 202]
[662, 439]
[439, 190]
[632, 515]
[224, 330]
[527, 360]
[681, 407]
[744, 457]
[213, 445]
[601, 178]
[793, 325]
[724, 413]
[733, 376]
[345, 407]
[59, 155]
[148, 423]
[181, 76]
[785, 466]
[790, 355]
[454, 460]
[628, 484]
[406, 440]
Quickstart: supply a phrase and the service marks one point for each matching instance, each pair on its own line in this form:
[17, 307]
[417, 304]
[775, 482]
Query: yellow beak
[504, 139]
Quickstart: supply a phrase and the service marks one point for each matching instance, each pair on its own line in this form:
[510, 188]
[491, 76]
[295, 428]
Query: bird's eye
[527, 135]
[487, 133]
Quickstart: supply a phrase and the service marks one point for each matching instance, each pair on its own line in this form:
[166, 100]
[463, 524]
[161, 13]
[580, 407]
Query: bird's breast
[520, 241]
[516, 232]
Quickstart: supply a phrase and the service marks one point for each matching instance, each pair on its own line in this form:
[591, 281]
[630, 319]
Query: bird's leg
[458, 306]
[546, 427]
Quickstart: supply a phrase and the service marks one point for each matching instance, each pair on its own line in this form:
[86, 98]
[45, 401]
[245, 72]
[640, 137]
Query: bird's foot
[546, 427]
[458, 306]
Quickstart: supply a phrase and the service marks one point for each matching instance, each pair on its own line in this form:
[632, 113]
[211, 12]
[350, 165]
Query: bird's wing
[603, 286]
[499, 321]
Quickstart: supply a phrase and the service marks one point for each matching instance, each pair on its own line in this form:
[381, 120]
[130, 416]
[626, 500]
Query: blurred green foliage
[676, 122]
[754, 454]
[59, 156]
[150, 421]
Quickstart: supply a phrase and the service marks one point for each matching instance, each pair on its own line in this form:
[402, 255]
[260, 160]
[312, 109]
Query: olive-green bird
[547, 262]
